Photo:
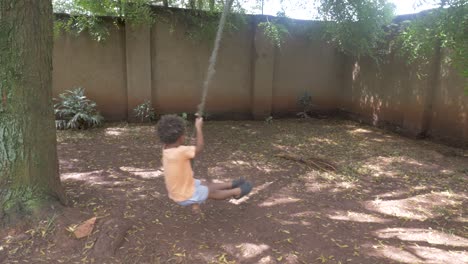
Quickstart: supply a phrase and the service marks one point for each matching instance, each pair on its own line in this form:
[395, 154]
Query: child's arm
[200, 142]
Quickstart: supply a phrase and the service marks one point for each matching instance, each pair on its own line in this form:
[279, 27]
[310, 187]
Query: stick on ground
[314, 162]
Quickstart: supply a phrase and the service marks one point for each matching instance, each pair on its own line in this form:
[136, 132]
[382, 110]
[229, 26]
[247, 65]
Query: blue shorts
[199, 196]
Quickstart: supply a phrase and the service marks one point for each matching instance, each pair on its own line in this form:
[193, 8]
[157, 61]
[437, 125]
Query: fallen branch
[314, 162]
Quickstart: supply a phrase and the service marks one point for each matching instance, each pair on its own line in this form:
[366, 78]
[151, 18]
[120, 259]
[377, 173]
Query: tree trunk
[166, 3]
[28, 153]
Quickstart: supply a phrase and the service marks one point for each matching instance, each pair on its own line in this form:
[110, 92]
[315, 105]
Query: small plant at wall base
[145, 112]
[75, 111]
[305, 103]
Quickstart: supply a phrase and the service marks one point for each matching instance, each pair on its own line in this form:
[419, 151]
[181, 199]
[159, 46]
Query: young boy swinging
[181, 186]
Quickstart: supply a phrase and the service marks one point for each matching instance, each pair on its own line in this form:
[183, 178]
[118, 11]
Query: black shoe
[237, 183]
[246, 187]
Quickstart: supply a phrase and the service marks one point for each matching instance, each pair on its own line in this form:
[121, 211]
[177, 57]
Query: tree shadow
[296, 214]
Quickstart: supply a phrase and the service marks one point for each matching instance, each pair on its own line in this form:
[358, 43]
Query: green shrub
[145, 112]
[274, 31]
[444, 27]
[75, 111]
[305, 103]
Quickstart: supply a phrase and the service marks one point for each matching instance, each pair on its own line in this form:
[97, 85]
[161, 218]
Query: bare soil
[390, 200]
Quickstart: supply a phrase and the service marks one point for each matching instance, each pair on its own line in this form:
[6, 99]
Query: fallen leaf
[85, 228]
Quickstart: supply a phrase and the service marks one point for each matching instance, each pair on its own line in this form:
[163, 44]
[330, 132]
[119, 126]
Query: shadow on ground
[392, 200]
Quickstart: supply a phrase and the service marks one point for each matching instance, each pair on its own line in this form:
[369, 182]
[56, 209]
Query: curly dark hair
[170, 128]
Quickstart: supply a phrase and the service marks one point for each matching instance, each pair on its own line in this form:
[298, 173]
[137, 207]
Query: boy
[180, 183]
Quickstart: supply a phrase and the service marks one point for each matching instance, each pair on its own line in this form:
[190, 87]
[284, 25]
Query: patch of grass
[353, 173]
[44, 227]
[458, 178]
[23, 200]
[442, 211]
[327, 176]
[450, 231]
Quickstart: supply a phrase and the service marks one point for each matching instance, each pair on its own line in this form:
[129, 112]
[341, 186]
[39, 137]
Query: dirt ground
[391, 200]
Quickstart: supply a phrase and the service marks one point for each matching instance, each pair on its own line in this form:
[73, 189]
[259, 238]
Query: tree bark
[28, 153]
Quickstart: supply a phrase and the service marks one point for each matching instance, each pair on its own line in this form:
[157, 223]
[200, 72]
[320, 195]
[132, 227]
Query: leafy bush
[145, 112]
[75, 111]
[442, 27]
[356, 27]
[305, 102]
[87, 15]
[274, 31]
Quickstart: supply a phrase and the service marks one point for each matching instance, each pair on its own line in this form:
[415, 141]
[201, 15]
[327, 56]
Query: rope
[214, 54]
[211, 67]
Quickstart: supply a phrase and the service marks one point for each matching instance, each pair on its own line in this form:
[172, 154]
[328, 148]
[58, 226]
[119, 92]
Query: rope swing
[212, 62]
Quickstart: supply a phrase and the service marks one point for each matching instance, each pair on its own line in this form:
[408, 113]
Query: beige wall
[450, 108]
[138, 66]
[179, 68]
[305, 64]
[262, 75]
[99, 67]
[255, 79]
[395, 94]
[376, 95]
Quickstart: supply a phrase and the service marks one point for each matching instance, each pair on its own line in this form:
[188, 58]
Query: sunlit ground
[391, 200]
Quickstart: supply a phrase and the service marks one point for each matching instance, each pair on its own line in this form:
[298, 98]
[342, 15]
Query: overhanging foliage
[356, 27]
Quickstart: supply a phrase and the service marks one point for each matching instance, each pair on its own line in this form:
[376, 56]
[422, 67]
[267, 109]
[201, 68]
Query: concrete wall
[376, 93]
[179, 68]
[138, 66]
[99, 67]
[256, 79]
[416, 100]
[305, 64]
[161, 64]
[449, 118]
